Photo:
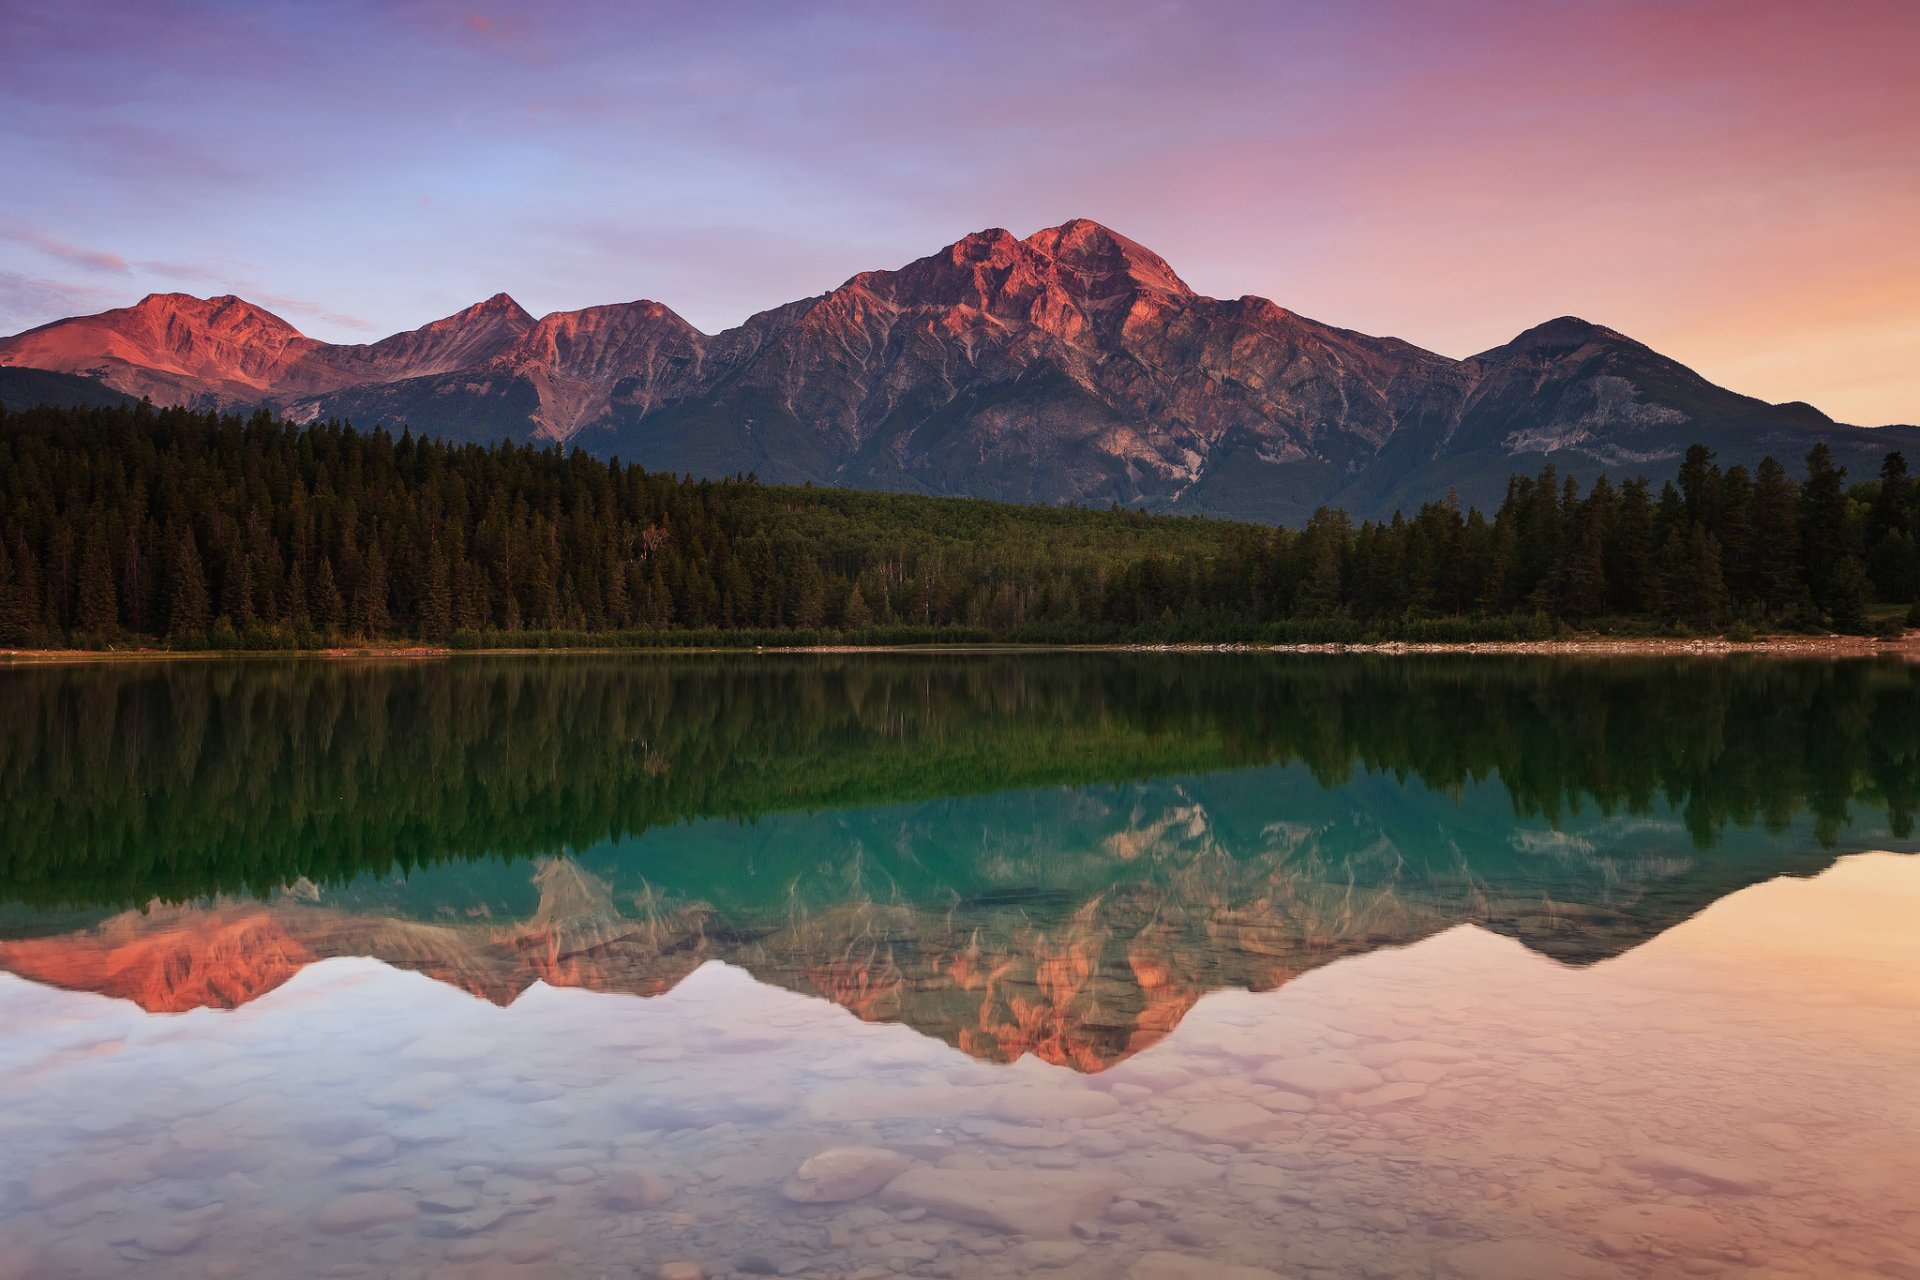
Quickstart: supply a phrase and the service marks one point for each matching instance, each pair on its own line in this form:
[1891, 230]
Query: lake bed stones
[840, 1174]
[1041, 1204]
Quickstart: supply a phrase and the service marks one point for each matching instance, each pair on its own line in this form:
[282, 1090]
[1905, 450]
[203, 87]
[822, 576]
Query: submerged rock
[176, 1238]
[1523, 1260]
[363, 1209]
[1230, 1123]
[1034, 1106]
[1163, 1265]
[1320, 1077]
[1016, 1201]
[630, 1189]
[1715, 1172]
[844, 1173]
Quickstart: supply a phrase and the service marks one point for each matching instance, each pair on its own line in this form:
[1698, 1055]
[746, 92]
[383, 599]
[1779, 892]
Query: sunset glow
[1738, 185]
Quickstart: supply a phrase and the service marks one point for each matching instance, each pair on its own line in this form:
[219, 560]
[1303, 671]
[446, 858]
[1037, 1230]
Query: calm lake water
[1150, 966]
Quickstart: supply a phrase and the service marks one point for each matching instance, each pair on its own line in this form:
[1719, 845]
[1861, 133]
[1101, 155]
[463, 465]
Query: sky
[1736, 184]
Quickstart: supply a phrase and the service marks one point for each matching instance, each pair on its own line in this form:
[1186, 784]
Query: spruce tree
[97, 612]
[188, 601]
[1776, 541]
[436, 597]
[324, 604]
[133, 584]
[1833, 571]
[19, 595]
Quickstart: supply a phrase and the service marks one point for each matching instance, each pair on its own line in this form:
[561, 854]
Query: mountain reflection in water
[1053, 855]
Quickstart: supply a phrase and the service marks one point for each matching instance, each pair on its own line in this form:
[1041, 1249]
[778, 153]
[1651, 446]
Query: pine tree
[1324, 549]
[1700, 488]
[97, 611]
[1891, 561]
[1776, 541]
[855, 614]
[324, 605]
[1847, 594]
[236, 592]
[133, 584]
[436, 598]
[1891, 511]
[368, 617]
[1826, 538]
[1630, 547]
[19, 595]
[188, 603]
[1736, 539]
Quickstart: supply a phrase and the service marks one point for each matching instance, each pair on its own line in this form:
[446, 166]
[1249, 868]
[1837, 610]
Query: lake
[1145, 966]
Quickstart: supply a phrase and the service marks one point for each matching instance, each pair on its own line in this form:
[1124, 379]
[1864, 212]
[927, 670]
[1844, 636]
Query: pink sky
[1737, 184]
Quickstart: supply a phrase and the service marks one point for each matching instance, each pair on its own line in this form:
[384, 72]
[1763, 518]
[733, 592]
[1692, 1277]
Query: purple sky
[1737, 184]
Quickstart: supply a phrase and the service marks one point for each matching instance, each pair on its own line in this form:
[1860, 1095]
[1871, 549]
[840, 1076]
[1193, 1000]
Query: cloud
[181, 270]
[300, 306]
[72, 254]
[26, 301]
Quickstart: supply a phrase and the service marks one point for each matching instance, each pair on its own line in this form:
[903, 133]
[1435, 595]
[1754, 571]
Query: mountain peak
[500, 309]
[1068, 364]
[1090, 249]
[1563, 333]
[991, 244]
[498, 304]
[226, 309]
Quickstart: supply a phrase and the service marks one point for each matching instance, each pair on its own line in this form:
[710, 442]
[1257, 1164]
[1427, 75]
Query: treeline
[129, 526]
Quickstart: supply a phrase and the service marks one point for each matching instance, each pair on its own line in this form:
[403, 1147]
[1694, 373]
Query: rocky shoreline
[1788, 646]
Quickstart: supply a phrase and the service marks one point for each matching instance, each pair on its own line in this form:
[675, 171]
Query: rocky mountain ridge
[1073, 365]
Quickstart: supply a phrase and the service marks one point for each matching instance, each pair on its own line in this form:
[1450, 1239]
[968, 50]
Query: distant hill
[1073, 365]
[22, 388]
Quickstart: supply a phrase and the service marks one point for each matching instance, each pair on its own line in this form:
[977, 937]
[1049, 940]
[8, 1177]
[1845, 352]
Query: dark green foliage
[126, 525]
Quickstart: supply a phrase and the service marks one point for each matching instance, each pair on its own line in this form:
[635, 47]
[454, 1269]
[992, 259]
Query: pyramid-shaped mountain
[1073, 365]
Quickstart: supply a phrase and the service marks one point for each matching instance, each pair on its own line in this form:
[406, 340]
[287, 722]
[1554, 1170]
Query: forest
[130, 527]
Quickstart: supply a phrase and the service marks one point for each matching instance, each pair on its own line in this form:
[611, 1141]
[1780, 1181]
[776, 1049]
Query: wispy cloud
[300, 306]
[182, 270]
[72, 254]
[26, 300]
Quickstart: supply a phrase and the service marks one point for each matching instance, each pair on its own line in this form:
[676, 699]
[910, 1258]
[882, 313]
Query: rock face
[227, 352]
[1071, 365]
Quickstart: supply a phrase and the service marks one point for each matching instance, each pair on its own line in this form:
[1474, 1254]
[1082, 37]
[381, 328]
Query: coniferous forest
[123, 527]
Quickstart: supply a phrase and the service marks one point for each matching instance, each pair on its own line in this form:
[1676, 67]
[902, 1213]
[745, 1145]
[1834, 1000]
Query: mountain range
[1073, 365]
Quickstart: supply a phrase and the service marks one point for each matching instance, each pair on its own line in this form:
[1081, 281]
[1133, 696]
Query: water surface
[1149, 966]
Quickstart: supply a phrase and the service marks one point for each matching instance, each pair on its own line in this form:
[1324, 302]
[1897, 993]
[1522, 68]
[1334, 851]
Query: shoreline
[1590, 646]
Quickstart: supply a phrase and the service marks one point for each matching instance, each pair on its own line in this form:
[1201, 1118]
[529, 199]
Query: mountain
[23, 387]
[1073, 365]
[226, 352]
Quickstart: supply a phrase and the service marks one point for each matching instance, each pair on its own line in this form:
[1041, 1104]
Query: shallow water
[1114, 967]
